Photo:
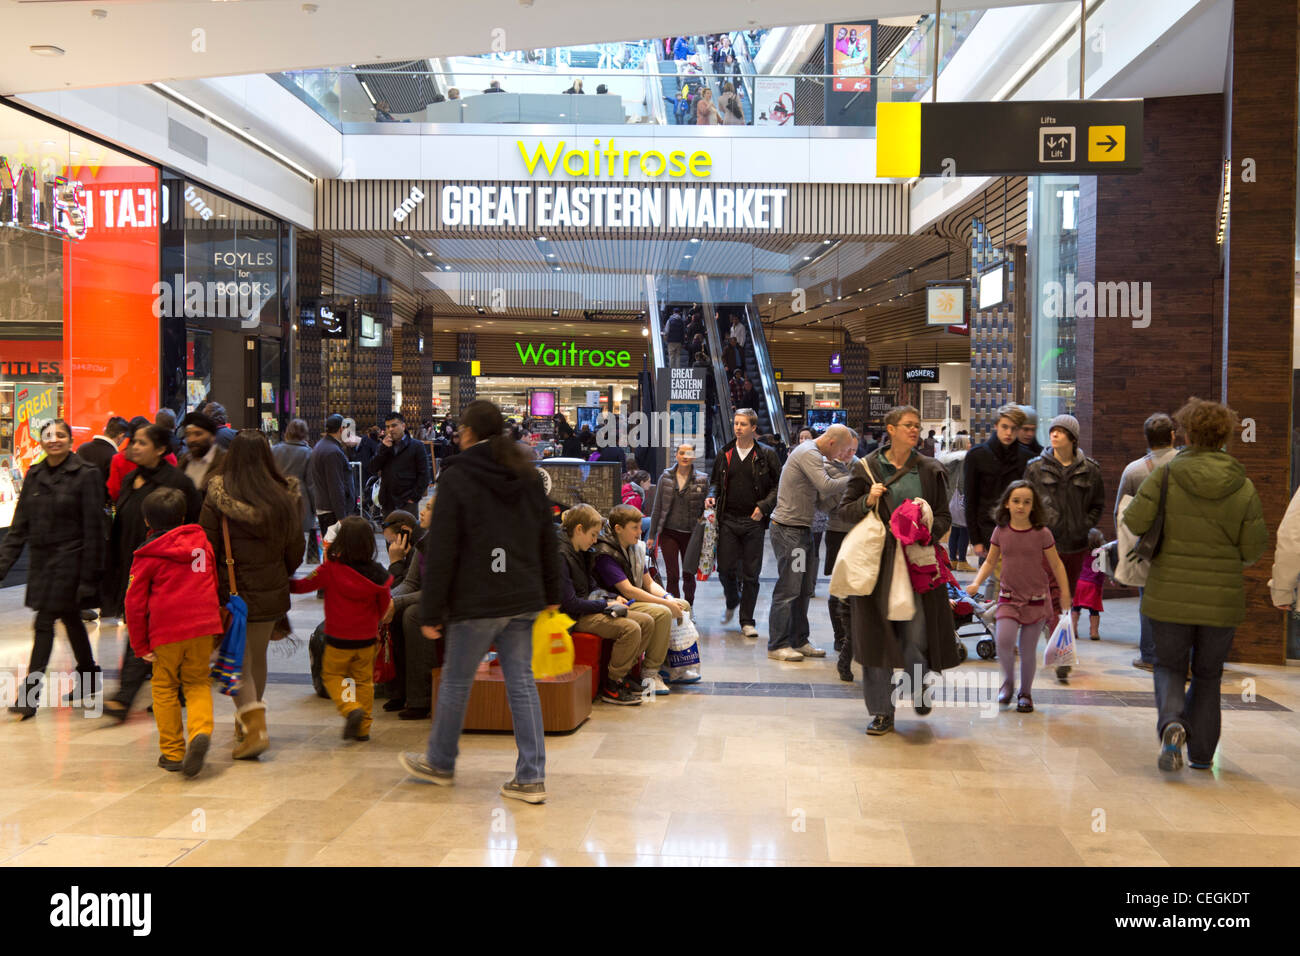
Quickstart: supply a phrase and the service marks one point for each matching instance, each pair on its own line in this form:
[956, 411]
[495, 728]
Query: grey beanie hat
[1069, 423]
[1031, 414]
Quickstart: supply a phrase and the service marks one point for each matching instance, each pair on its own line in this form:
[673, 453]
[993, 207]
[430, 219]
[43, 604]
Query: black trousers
[415, 657]
[43, 646]
[740, 559]
[134, 673]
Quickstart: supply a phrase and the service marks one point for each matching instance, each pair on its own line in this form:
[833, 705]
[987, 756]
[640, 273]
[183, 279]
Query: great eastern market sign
[1008, 138]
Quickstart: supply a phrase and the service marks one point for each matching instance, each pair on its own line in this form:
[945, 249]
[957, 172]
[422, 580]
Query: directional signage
[456, 368]
[1008, 138]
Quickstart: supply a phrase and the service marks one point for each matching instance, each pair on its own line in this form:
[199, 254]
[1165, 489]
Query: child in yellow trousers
[357, 601]
[173, 615]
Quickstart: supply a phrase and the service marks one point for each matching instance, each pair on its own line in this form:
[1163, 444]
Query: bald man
[805, 487]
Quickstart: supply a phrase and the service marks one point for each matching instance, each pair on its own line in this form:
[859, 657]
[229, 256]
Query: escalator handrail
[771, 393]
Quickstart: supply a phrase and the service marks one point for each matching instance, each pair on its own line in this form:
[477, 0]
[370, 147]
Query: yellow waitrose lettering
[595, 163]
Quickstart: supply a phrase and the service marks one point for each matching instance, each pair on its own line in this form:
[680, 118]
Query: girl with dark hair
[357, 601]
[60, 511]
[258, 509]
[1028, 553]
[494, 568]
[148, 452]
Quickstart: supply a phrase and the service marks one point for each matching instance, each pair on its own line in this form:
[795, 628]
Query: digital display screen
[851, 58]
[991, 288]
[541, 403]
[372, 332]
[820, 419]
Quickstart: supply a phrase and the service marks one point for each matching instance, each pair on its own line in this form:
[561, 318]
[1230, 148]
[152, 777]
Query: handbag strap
[1164, 489]
[230, 557]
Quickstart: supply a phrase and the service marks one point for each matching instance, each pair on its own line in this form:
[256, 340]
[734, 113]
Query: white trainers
[655, 683]
[728, 614]
[810, 650]
[785, 654]
[749, 630]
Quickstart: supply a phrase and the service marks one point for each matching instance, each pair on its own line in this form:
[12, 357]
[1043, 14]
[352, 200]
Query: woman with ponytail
[491, 566]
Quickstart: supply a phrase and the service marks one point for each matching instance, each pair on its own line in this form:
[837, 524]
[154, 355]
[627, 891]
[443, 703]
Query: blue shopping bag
[227, 671]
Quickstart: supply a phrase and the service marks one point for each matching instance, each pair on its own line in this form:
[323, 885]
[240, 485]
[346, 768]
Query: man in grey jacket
[1159, 429]
[804, 484]
[330, 478]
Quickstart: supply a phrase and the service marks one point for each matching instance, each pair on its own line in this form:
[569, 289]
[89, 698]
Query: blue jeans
[1198, 709]
[958, 541]
[1146, 641]
[466, 643]
[796, 574]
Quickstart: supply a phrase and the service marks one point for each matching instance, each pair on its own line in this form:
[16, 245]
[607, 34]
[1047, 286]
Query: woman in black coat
[61, 512]
[928, 642]
[147, 451]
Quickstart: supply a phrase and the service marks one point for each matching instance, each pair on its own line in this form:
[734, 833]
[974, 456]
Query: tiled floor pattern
[764, 765]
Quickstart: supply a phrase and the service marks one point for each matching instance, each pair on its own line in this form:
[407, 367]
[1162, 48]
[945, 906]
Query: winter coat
[1214, 529]
[291, 458]
[633, 562]
[667, 495]
[1286, 557]
[329, 477]
[265, 559]
[99, 451]
[990, 467]
[576, 580]
[214, 466]
[172, 592]
[874, 635]
[120, 466]
[129, 528]
[1072, 497]
[403, 471]
[60, 512]
[767, 477]
[495, 554]
[633, 495]
[355, 600]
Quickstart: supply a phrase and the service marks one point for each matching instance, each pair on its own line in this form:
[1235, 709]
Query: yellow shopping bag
[552, 646]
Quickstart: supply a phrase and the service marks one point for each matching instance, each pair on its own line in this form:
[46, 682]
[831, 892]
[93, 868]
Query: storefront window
[198, 368]
[1053, 266]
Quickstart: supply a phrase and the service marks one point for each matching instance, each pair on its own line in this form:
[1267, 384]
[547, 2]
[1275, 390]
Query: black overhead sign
[921, 373]
[1009, 138]
[453, 368]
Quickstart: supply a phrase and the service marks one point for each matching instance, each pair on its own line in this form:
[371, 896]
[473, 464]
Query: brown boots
[251, 738]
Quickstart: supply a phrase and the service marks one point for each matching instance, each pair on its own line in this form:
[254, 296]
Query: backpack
[733, 107]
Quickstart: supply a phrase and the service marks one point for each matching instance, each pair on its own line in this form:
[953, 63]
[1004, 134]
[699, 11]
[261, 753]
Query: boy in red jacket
[173, 615]
[357, 601]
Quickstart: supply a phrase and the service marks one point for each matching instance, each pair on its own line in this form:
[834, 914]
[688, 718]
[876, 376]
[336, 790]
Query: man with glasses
[402, 465]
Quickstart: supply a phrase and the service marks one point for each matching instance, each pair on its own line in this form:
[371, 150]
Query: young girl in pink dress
[1088, 592]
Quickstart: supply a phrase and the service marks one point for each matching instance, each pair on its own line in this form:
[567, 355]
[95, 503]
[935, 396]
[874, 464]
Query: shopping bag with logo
[552, 645]
[385, 665]
[682, 665]
[1061, 646]
[708, 546]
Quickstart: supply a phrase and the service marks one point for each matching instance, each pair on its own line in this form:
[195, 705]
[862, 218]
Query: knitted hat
[1031, 414]
[1069, 423]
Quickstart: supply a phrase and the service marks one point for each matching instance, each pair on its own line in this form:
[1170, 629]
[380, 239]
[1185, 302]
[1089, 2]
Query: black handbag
[1148, 544]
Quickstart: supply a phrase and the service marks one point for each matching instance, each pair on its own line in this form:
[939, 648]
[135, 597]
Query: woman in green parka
[1195, 596]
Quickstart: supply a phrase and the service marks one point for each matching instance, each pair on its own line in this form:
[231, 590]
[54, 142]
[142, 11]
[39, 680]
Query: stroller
[967, 613]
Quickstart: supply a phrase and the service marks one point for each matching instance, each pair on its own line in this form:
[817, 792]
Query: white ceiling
[150, 40]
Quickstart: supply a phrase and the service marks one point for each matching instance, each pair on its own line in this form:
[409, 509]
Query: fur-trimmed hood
[243, 511]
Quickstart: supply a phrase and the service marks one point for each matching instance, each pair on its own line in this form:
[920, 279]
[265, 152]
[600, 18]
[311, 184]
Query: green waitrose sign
[571, 355]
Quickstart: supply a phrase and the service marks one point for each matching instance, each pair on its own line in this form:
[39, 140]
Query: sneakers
[1197, 765]
[194, 755]
[880, 725]
[1140, 664]
[1063, 674]
[785, 654]
[728, 614]
[1171, 746]
[417, 765]
[527, 792]
[656, 683]
[618, 692]
[352, 724]
[809, 650]
[171, 766]
[749, 630]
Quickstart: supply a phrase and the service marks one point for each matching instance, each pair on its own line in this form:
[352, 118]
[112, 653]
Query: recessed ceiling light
[46, 49]
[541, 238]
[826, 242]
[695, 240]
[806, 258]
[688, 257]
[555, 312]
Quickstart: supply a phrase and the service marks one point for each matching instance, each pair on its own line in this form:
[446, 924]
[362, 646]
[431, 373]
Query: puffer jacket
[264, 560]
[1286, 557]
[1072, 497]
[667, 495]
[1214, 528]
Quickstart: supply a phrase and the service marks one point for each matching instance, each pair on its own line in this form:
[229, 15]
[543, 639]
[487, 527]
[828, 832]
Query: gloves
[616, 610]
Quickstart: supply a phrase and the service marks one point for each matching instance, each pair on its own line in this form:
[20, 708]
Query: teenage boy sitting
[173, 615]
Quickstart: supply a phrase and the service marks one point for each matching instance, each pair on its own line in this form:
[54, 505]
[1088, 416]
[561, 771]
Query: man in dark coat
[402, 465]
[99, 451]
[990, 467]
[329, 477]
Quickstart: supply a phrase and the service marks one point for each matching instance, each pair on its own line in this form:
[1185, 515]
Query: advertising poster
[34, 405]
[774, 101]
[851, 58]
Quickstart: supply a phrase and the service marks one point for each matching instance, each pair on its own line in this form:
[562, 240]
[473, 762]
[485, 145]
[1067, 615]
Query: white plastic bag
[857, 565]
[1061, 645]
[682, 665]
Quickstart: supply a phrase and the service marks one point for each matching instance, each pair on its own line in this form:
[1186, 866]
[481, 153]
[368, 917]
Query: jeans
[958, 541]
[877, 686]
[1146, 640]
[467, 642]
[740, 558]
[796, 573]
[1198, 709]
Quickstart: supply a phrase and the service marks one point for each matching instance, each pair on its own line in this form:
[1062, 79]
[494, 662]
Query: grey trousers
[878, 685]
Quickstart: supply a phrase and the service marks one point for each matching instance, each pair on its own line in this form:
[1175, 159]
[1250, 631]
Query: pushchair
[966, 613]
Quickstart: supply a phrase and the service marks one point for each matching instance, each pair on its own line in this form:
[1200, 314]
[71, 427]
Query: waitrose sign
[571, 355]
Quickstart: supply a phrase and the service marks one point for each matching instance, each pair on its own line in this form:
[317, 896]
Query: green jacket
[1214, 529]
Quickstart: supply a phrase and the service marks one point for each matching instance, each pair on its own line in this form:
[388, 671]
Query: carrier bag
[316, 654]
[682, 665]
[1060, 650]
[385, 665]
[552, 645]
[857, 565]
[708, 546]
[228, 666]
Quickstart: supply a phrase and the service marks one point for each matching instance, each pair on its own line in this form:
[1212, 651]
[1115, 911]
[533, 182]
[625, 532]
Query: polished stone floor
[764, 763]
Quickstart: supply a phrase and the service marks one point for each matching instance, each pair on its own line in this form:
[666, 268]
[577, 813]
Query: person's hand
[1285, 607]
[650, 545]
[614, 602]
[388, 615]
[551, 607]
[398, 550]
[148, 657]
[757, 515]
[972, 590]
[877, 489]
[431, 632]
[978, 549]
[388, 441]
[710, 502]
[684, 605]
[676, 611]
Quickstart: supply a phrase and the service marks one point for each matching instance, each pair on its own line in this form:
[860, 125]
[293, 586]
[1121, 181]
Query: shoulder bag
[857, 566]
[1148, 543]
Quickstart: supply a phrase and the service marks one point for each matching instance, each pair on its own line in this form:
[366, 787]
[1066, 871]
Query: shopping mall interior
[303, 211]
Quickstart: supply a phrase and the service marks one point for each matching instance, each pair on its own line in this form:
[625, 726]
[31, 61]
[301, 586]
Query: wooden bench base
[566, 700]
